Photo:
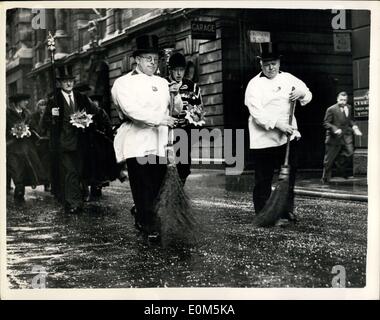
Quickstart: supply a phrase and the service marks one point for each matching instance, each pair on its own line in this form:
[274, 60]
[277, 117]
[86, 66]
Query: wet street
[101, 248]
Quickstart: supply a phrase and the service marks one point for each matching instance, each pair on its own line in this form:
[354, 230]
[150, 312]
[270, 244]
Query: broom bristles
[178, 223]
[277, 205]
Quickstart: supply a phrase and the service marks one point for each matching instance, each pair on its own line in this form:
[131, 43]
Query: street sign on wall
[203, 30]
[342, 42]
[258, 36]
[361, 104]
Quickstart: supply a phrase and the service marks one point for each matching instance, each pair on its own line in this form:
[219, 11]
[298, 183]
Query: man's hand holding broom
[283, 124]
[174, 88]
[169, 120]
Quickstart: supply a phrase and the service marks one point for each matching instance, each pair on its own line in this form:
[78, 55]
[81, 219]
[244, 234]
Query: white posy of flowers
[195, 113]
[81, 119]
[21, 130]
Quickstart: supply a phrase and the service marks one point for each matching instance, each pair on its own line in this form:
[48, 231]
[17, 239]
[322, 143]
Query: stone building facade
[98, 44]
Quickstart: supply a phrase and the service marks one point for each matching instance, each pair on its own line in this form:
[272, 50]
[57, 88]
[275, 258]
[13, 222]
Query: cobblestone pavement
[101, 249]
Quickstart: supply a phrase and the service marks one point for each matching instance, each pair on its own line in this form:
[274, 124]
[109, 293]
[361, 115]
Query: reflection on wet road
[101, 248]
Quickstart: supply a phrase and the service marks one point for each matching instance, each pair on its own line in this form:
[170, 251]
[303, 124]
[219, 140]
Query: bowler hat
[269, 51]
[19, 97]
[177, 60]
[146, 44]
[65, 72]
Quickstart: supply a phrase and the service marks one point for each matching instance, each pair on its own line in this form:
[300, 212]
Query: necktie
[343, 111]
[71, 102]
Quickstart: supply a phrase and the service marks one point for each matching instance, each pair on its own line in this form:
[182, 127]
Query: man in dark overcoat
[41, 139]
[101, 166]
[69, 144]
[23, 163]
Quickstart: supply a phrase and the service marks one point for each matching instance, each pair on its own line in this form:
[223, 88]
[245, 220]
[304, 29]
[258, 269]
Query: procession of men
[68, 144]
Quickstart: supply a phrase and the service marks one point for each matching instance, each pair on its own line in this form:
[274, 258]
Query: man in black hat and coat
[41, 139]
[191, 95]
[69, 144]
[143, 100]
[101, 166]
[268, 97]
[23, 162]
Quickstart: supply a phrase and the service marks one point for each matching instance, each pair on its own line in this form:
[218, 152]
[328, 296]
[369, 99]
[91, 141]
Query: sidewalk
[307, 184]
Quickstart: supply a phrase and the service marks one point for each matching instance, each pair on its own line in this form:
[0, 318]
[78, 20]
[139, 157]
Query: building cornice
[14, 64]
[160, 16]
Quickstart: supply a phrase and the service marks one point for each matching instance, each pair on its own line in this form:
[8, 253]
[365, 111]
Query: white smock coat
[268, 102]
[142, 102]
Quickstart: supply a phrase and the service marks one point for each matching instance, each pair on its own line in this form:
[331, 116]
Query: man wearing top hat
[268, 97]
[69, 144]
[143, 100]
[101, 163]
[23, 162]
[191, 95]
[42, 139]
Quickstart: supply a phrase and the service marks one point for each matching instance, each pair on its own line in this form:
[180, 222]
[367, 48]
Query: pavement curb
[330, 195]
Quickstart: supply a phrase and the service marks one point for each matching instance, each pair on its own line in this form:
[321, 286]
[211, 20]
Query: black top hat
[269, 51]
[19, 97]
[146, 44]
[65, 72]
[177, 60]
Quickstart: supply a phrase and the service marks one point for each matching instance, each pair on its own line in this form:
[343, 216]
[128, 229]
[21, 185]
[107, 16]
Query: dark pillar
[360, 55]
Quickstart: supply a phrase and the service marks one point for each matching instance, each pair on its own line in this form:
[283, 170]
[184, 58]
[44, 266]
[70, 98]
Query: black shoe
[96, 192]
[123, 175]
[324, 180]
[283, 223]
[19, 199]
[154, 237]
[292, 217]
[73, 210]
[139, 226]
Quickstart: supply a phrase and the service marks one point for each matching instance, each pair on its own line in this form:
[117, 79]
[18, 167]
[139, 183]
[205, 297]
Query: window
[12, 88]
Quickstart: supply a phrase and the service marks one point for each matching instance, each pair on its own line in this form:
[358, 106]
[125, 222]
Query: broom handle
[292, 107]
[170, 149]
[171, 132]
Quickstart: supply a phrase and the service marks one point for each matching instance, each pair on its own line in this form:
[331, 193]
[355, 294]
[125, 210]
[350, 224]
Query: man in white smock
[268, 97]
[143, 101]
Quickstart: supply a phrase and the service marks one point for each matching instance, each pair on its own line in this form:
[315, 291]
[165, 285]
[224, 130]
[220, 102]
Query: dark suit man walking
[339, 137]
[69, 144]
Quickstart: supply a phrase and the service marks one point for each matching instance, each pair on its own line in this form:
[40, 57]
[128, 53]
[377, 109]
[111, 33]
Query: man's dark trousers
[266, 160]
[71, 167]
[16, 164]
[145, 181]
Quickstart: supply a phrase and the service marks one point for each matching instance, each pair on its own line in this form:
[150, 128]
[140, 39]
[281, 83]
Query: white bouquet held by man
[81, 119]
[194, 113]
[21, 130]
